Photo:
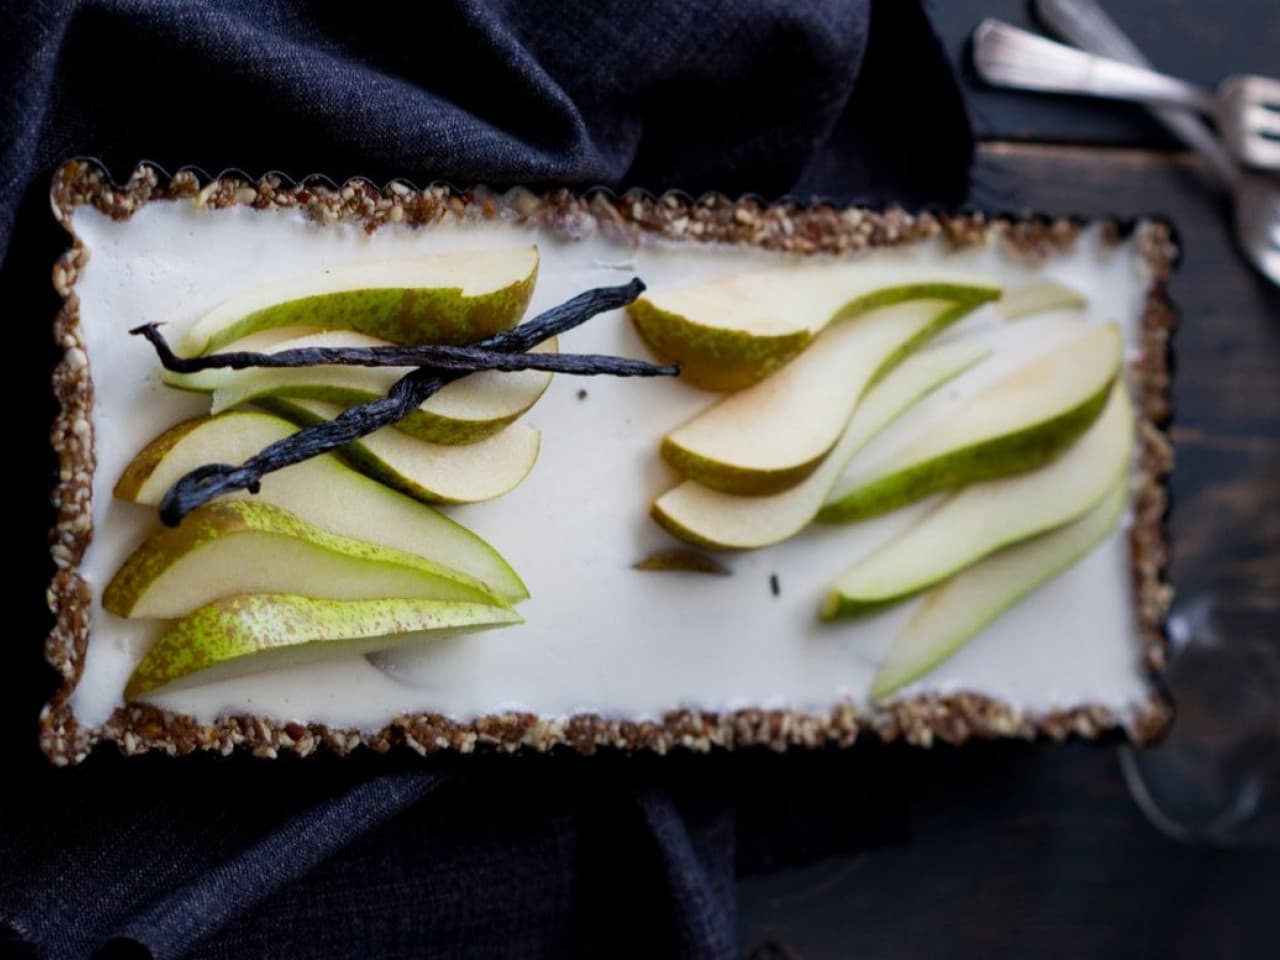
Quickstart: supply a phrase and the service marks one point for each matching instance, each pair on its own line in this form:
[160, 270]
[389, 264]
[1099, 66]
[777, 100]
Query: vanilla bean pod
[213, 480]
[468, 359]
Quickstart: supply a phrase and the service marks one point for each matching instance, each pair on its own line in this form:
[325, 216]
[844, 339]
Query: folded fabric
[842, 98]
[466, 856]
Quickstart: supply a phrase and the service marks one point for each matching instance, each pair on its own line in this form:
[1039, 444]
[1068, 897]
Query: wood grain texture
[1038, 851]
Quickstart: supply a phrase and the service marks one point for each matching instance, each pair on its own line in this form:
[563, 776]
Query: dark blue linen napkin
[396, 856]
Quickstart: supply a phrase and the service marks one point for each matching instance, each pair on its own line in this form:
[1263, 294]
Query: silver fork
[1246, 109]
[1250, 119]
[1255, 198]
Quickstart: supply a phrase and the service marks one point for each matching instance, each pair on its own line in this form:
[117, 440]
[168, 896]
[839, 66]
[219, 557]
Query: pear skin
[244, 546]
[429, 472]
[324, 491]
[958, 609]
[456, 297]
[248, 633]
[731, 333]
[722, 521]
[1016, 425]
[768, 437]
[467, 410]
[985, 517]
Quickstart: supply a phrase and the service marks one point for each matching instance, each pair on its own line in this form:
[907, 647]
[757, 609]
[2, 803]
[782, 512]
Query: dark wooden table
[1020, 850]
[1008, 850]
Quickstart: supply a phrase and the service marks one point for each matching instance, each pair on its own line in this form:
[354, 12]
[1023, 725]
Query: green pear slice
[709, 518]
[735, 331]
[771, 435]
[324, 491]
[456, 297]
[1015, 425]
[250, 633]
[1038, 297]
[430, 472]
[465, 411]
[984, 517]
[952, 612]
[243, 546]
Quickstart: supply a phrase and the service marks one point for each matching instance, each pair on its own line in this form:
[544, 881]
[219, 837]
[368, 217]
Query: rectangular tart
[607, 655]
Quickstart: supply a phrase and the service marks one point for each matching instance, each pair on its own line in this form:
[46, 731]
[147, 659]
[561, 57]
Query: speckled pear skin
[1026, 449]
[682, 532]
[462, 424]
[706, 535]
[438, 535]
[398, 315]
[242, 626]
[355, 454]
[422, 424]
[730, 478]
[726, 359]
[140, 468]
[713, 358]
[434, 428]
[758, 482]
[359, 456]
[215, 521]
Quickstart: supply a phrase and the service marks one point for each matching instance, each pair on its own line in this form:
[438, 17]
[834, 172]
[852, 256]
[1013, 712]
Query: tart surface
[607, 655]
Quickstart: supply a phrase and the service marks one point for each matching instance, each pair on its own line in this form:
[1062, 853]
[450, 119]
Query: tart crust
[632, 216]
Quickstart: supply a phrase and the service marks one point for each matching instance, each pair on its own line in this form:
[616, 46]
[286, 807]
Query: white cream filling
[599, 637]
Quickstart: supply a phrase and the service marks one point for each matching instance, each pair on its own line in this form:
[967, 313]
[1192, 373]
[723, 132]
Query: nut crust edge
[635, 217]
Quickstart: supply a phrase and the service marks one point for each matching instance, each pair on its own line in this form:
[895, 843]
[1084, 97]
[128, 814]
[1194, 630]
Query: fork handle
[1087, 25]
[1007, 56]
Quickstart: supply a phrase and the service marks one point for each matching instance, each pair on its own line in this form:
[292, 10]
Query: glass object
[1215, 778]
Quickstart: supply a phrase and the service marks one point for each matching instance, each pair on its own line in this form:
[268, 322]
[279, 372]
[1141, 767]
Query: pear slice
[718, 520]
[323, 491]
[982, 518]
[733, 332]
[250, 633]
[456, 297]
[465, 411]
[430, 472]
[952, 612]
[1040, 297]
[1015, 425]
[771, 435]
[242, 546]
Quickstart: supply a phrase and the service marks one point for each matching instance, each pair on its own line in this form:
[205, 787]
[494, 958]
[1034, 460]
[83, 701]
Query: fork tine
[1257, 117]
[1258, 152]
